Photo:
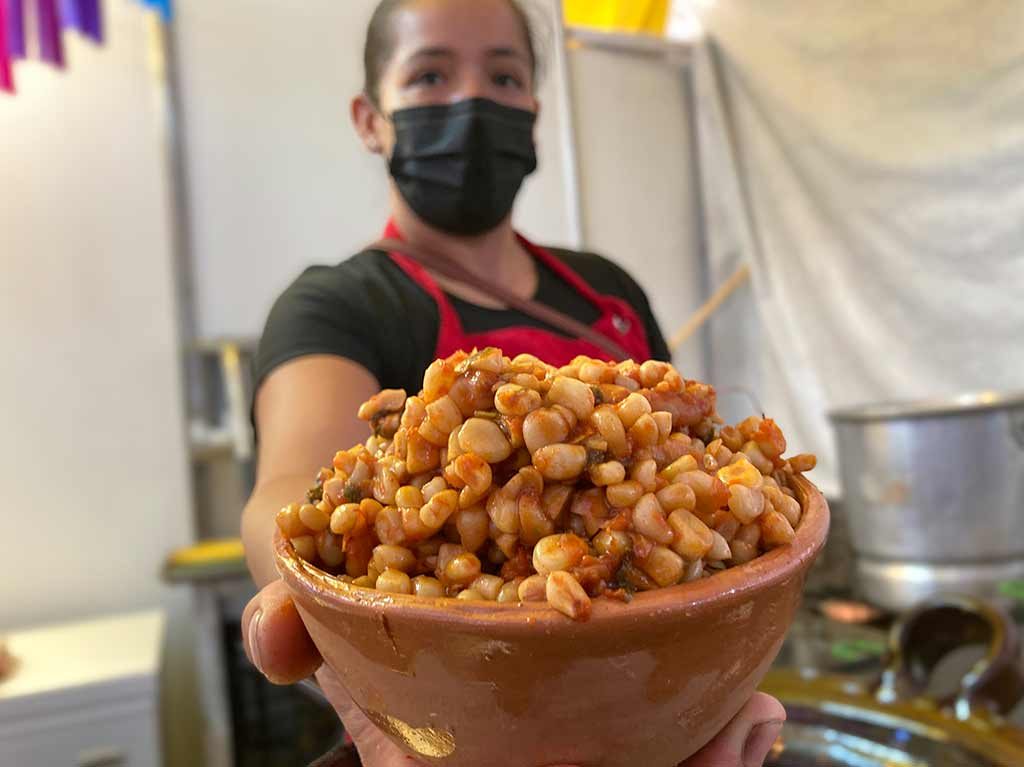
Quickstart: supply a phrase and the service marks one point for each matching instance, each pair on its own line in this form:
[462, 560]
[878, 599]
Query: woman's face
[447, 51]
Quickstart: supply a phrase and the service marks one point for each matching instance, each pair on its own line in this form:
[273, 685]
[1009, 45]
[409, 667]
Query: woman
[458, 74]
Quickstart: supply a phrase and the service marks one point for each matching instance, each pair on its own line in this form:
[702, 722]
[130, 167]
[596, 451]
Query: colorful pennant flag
[633, 16]
[165, 7]
[84, 16]
[15, 27]
[6, 75]
[45, 20]
[51, 44]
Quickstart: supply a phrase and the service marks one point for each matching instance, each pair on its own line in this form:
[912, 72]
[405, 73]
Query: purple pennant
[6, 76]
[84, 16]
[15, 28]
[51, 45]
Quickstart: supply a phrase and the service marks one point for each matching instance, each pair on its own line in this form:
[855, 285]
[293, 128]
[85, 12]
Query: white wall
[637, 176]
[93, 466]
[277, 177]
[92, 462]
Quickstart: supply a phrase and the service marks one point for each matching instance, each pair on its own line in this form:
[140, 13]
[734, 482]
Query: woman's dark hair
[380, 43]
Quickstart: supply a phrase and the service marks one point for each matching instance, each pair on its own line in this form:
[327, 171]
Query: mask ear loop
[390, 119]
[375, 145]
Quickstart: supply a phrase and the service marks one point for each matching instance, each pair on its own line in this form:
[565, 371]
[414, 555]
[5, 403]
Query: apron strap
[455, 271]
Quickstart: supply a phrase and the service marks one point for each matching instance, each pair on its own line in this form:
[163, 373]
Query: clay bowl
[648, 683]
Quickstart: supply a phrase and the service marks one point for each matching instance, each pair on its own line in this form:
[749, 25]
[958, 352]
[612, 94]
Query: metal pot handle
[929, 632]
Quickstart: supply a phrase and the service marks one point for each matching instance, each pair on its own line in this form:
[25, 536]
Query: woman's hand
[277, 643]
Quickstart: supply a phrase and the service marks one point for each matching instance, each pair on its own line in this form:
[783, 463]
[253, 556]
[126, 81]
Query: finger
[373, 745]
[340, 698]
[275, 638]
[747, 739]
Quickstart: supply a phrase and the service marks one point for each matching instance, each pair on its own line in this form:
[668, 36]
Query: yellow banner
[646, 16]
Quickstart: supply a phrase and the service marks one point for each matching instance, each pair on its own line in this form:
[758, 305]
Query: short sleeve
[320, 313]
[365, 309]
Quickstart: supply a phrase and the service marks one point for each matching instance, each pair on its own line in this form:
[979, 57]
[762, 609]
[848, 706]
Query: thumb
[275, 638]
[747, 740]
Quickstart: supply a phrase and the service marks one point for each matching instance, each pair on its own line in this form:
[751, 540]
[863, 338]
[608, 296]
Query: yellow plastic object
[637, 16]
[209, 560]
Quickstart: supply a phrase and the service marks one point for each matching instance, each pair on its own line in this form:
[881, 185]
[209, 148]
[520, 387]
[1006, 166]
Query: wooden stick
[703, 314]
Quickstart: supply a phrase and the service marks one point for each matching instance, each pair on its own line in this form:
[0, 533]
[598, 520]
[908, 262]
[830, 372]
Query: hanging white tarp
[867, 160]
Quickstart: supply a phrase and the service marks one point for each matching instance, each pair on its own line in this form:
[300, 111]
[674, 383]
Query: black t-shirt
[368, 310]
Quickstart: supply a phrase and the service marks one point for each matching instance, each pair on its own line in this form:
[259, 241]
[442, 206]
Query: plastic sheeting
[867, 160]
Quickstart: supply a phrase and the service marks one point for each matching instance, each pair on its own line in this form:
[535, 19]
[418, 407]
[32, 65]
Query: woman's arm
[305, 412]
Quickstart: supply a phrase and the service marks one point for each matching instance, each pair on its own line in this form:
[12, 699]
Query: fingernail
[760, 742]
[254, 635]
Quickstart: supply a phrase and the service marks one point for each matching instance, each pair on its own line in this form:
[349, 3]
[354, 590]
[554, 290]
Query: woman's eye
[427, 78]
[507, 81]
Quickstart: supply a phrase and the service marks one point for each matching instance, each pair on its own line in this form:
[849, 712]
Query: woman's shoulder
[601, 273]
[367, 270]
[358, 309]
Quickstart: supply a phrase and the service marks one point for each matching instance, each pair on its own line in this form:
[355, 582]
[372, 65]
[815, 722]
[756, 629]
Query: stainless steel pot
[934, 495]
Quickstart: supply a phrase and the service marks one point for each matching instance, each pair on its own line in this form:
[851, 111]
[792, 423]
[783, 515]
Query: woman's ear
[366, 120]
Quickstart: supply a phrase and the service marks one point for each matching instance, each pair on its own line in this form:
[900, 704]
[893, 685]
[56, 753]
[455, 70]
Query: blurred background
[167, 169]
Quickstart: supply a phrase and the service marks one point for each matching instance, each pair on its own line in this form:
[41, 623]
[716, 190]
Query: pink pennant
[6, 75]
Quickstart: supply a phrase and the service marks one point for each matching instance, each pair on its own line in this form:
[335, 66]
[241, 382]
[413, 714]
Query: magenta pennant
[51, 45]
[15, 28]
[6, 75]
[84, 16]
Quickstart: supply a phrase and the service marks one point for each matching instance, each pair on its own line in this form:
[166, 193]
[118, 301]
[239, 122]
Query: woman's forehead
[466, 28]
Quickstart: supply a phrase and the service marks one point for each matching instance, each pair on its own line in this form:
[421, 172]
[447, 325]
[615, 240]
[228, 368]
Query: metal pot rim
[974, 402]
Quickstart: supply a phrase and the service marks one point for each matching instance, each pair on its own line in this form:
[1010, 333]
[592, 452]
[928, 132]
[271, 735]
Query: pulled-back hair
[380, 42]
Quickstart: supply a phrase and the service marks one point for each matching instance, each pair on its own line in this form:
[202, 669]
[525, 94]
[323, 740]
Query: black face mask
[459, 166]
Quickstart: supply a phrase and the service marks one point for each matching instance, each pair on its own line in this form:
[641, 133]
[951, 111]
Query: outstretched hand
[278, 645]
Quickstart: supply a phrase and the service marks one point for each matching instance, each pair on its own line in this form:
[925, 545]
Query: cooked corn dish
[510, 480]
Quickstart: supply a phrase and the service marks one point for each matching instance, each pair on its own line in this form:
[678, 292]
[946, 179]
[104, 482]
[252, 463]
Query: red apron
[618, 320]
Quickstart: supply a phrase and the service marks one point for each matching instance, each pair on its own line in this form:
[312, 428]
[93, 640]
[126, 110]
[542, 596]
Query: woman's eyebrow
[435, 52]
[431, 53]
[505, 52]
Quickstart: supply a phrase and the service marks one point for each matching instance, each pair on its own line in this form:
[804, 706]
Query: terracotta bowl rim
[733, 585]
